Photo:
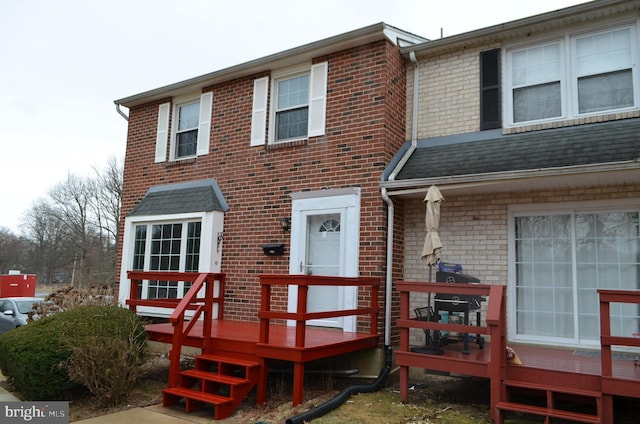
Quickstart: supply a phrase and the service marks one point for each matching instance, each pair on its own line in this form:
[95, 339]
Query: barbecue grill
[454, 304]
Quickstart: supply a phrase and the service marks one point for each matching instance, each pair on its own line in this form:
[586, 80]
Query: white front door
[324, 241]
[323, 257]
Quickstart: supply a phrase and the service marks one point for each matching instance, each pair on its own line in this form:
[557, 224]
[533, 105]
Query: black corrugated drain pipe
[341, 397]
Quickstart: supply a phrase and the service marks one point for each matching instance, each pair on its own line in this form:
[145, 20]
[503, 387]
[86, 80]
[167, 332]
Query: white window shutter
[259, 111]
[318, 99]
[163, 132]
[204, 126]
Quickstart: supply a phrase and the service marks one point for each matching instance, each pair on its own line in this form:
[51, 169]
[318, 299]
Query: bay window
[173, 246]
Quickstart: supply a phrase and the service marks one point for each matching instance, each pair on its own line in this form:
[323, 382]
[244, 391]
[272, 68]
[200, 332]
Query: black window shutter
[490, 113]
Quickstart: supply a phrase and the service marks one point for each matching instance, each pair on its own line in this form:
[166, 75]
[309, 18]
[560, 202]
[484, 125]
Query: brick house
[531, 131]
[267, 167]
[316, 161]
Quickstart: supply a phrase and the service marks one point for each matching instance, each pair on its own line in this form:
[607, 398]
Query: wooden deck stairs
[552, 399]
[528, 393]
[221, 381]
[235, 354]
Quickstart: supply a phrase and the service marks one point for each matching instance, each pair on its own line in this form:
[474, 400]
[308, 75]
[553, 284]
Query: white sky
[64, 62]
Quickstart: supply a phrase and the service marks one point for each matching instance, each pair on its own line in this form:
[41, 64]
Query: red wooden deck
[244, 338]
[550, 375]
[534, 357]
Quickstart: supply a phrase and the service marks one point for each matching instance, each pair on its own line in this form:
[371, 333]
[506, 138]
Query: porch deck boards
[328, 341]
[564, 359]
[545, 358]
[560, 360]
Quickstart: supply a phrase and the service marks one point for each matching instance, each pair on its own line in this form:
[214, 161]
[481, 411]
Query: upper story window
[296, 108]
[604, 71]
[292, 108]
[536, 83]
[190, 128]
[571, 77]
[187, 129]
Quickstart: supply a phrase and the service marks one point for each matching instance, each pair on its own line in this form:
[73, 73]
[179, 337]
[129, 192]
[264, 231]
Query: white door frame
[347, 201]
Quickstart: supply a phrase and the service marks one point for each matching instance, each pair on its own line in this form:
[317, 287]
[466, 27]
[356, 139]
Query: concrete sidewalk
[155, 414]
[6, 396]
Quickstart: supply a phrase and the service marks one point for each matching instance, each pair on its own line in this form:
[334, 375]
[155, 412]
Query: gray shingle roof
[615, 141]
[192, 196]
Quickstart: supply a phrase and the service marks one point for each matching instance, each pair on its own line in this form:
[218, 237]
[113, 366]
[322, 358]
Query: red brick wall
[365, 126]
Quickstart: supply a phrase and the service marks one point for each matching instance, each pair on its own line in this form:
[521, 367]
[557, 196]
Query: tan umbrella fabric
[432, 244]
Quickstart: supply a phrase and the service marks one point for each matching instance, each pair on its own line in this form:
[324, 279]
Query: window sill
[180, 162]
[571, 122]
[286, 144]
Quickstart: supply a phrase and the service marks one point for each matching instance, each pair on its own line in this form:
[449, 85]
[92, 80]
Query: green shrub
[35, 357]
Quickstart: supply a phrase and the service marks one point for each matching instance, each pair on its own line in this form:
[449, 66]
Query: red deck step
[212, 372]
[549, 393]
[547, 412]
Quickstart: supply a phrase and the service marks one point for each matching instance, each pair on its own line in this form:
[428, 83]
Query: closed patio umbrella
[431, 256]
[432, 244]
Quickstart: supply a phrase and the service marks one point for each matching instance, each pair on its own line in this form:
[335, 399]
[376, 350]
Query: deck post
[496, 319]
[404, 345]
[298, 383]
[261, 389]
[607, 408]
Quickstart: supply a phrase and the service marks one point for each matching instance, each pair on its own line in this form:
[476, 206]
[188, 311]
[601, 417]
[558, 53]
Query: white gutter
[389, 274]
[121, 113]
[414, 119]
[468, 180]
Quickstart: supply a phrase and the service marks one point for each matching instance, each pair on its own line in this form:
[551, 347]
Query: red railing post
[301, 310]
[133, 293]
[496, 321]
[265, 307]
[605, 330]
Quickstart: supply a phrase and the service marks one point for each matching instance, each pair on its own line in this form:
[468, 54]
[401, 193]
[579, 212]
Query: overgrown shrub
[38, 359]
[108, 366]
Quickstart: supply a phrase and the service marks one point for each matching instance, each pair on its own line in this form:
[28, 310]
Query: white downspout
[414, 114]
[414, 118]
[389, 274]
[390, 209]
